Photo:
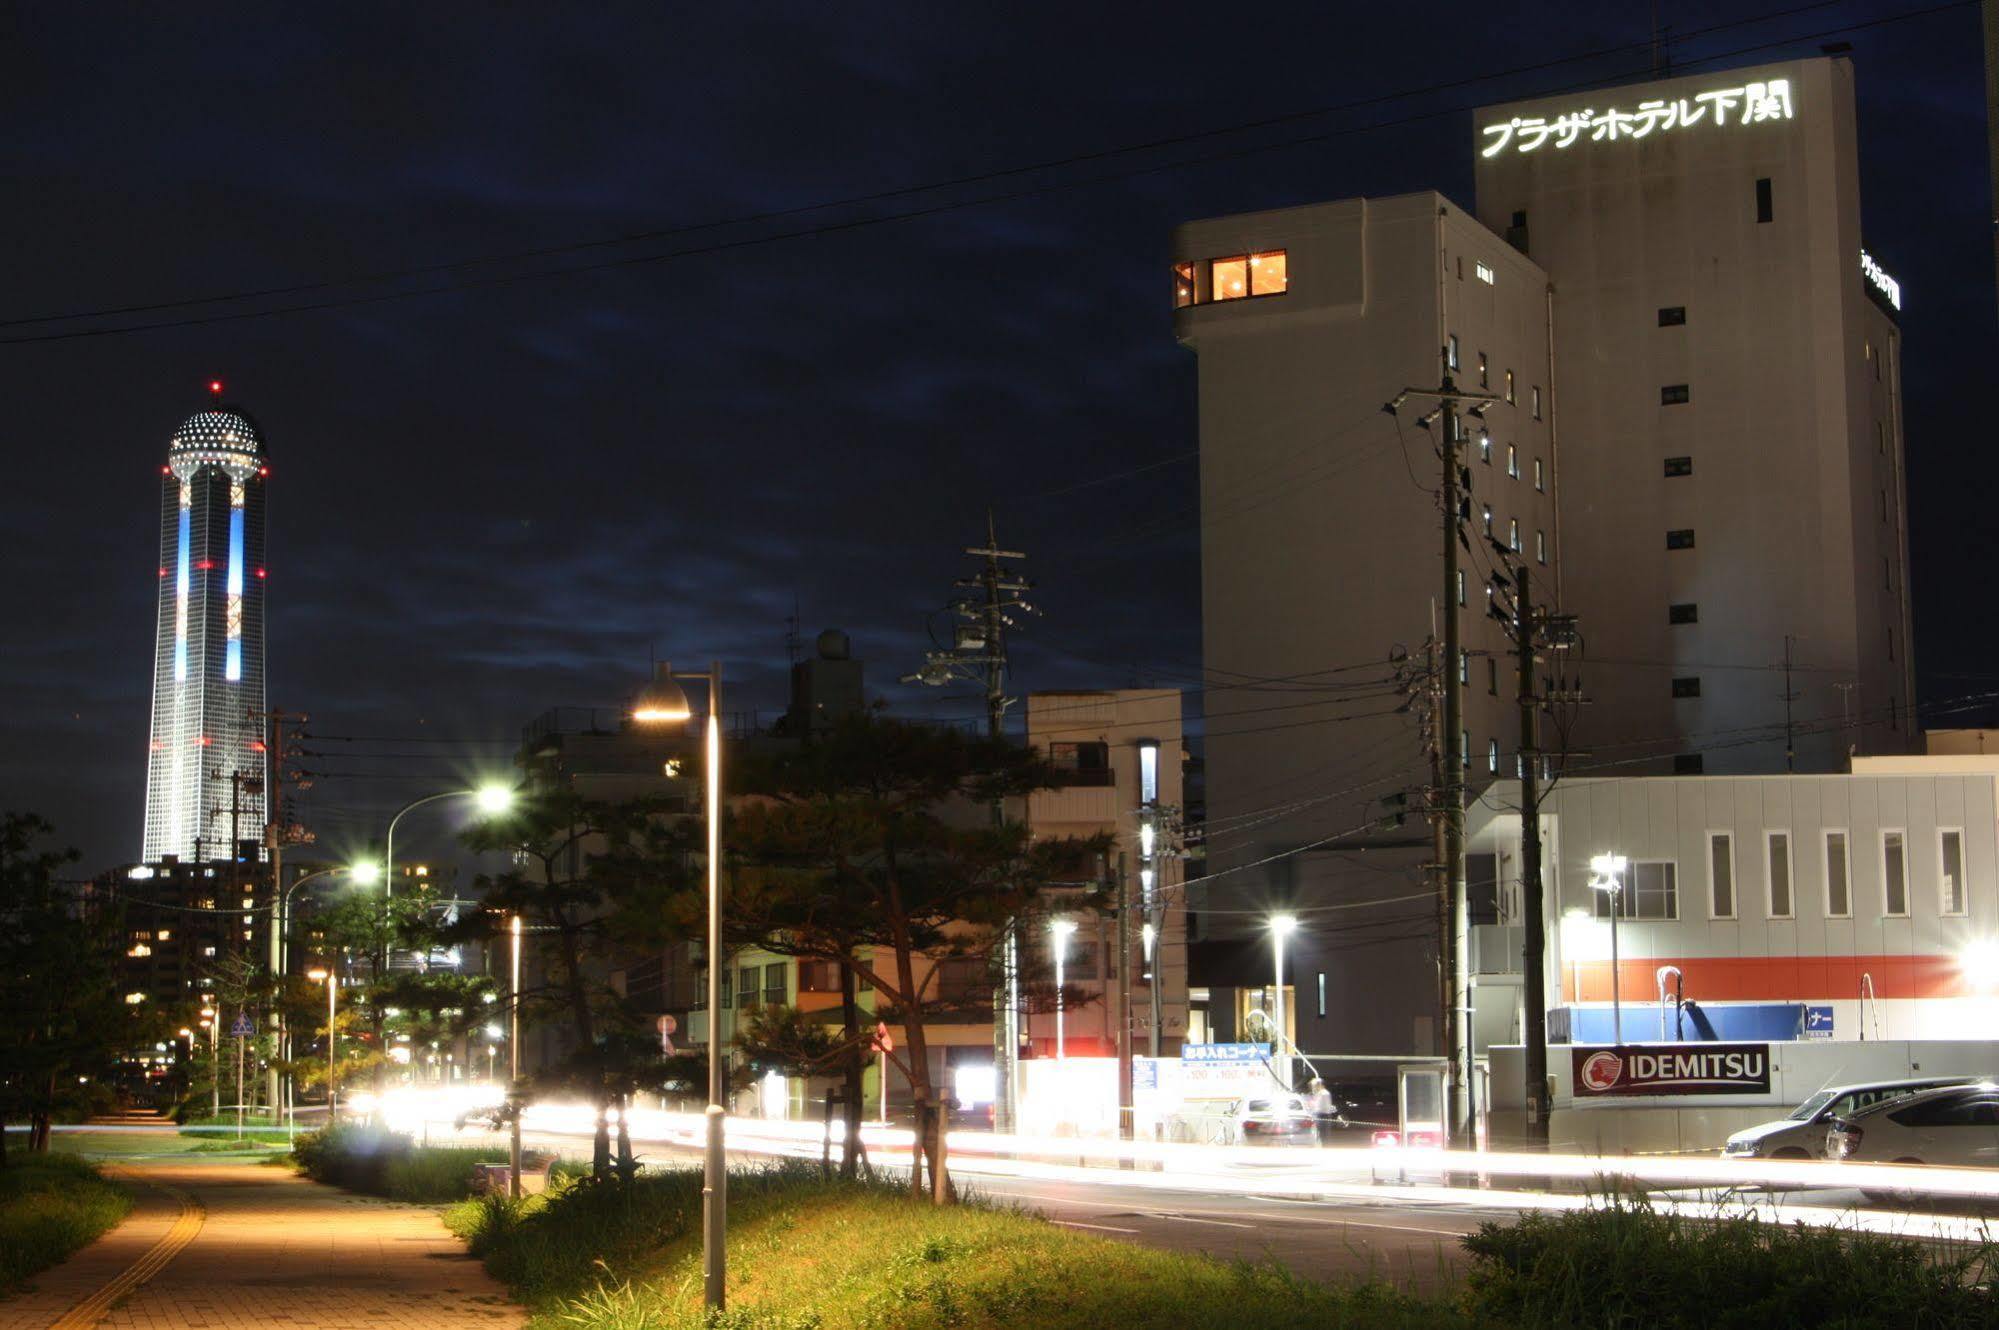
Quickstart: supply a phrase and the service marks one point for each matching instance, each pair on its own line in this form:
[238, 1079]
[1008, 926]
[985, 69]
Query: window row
[1512, 539]
[1451, 360]
[1651, 891]
[1512, 461]
[1236, 277]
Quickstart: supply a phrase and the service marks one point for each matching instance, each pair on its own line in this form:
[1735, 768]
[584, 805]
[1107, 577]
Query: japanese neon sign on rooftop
[1719, 108]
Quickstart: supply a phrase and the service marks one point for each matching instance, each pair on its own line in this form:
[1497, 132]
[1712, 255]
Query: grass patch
[256, 1127]
[812, 1255]
[50, 1205]
[1630, 1265]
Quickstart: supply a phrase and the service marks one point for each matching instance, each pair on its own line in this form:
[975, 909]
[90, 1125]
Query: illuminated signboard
[1750, 104]
[1877, 278]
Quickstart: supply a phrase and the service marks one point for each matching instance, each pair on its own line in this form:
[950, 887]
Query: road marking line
[1106, 1228]
[1193, 1219]
[186, 1225]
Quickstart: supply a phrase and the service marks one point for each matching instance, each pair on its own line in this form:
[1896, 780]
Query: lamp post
[1281, 927]
[664, 702]
[363, 873]
[492, 800]
[1607, 876]
[514, 1062]
[1061, 929]
[330, 978]
[211, 1022]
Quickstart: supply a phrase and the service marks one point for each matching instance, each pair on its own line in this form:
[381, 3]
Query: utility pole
[1534, 945]
[1126, 1102]
[1532, 629]
[978, 654]
[1454, 509]
[275, 837]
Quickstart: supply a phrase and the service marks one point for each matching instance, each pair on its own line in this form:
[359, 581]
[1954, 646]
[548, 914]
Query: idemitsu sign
[1673, 1069]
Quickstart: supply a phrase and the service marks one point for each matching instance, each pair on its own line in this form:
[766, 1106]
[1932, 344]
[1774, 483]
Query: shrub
[387, 1163]
[50, 1205]
[1626, 1264]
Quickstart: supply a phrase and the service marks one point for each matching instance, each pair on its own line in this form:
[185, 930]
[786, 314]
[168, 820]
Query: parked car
[1957, 1125]
[1802, 1133]
[1272, 1119]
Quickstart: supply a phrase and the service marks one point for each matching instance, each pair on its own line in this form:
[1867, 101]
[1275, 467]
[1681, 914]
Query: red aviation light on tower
[215, 387]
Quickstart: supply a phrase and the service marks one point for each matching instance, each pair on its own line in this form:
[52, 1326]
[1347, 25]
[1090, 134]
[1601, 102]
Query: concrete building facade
[1322, 543]
[1698, 433]
[1729, 394]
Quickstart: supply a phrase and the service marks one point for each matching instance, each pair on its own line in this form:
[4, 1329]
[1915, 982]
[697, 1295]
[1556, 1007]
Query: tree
[65, 1023]
[592, 878]
[873, 848]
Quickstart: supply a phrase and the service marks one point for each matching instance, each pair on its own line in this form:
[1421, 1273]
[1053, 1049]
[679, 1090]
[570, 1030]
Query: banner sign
[1672, 1069]
[1224, 1052]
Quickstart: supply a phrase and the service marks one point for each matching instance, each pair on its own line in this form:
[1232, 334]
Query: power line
[852, 224]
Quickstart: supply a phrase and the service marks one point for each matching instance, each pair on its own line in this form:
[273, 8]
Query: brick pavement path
[273, 1250]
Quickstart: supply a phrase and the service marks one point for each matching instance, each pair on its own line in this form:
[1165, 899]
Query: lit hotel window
[1269, 274]
[1484, 273]
[1236, 277]
[1228, 279]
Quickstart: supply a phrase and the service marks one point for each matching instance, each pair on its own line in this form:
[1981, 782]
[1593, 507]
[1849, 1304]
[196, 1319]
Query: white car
[1802, 1134]
[1958, 1125]
[1273, 1119]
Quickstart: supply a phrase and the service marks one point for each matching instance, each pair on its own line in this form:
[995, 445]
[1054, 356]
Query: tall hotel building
[1696, 449]
[205, 771]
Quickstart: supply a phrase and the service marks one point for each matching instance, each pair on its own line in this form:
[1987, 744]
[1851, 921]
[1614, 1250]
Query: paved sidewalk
[277, 1250]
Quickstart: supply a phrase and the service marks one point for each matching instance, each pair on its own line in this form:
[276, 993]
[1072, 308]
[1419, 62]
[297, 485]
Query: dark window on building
[1680, 540]
[1081, 763]
[747, 988]
[1687, 613]
[1687, 685]
[1484, 371]
[1537, 401]
[775, 993]
[1679, 466]
[1492, 675]
[818, 976]
[1687, 764]
[1672, 316]
[1764, 210]
[1673, 394]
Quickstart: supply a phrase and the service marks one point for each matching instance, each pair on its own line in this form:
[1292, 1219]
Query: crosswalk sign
[242, 1029]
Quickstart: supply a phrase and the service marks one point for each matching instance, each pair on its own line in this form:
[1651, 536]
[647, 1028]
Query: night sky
[499, 499]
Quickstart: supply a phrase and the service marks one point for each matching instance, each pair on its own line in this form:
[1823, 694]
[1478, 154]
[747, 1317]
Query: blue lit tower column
[208, 669]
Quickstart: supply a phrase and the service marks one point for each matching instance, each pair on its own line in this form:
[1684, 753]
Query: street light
[1061, 928]
[492, 800]
[1607, 875]
[664, 701]
[514, 1063]
[327, 977]
[1281, 927]
[364, 873]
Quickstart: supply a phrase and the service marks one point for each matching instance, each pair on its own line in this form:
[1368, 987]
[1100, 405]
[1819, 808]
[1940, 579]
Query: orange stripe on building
[1770, 978]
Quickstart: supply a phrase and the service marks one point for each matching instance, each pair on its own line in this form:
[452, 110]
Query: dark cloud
[494, 501]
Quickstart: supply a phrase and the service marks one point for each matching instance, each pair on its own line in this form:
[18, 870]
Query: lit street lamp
[492, 800]
[664, 701]
[514, 1064]
[1281, 927]
[1607, 876]
[332, 982]
[1061, 928]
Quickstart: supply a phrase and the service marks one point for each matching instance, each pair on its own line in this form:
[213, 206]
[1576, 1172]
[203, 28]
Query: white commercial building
[1844, 909]
[1696, 449]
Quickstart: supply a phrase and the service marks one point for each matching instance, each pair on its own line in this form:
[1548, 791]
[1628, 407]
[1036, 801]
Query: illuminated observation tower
[205, 771]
